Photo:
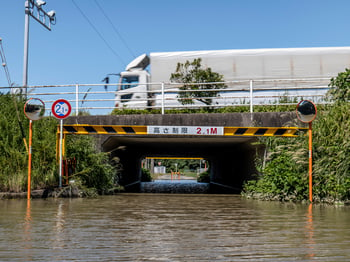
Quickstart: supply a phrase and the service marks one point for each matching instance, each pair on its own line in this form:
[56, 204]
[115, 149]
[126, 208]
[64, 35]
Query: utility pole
[46, 19]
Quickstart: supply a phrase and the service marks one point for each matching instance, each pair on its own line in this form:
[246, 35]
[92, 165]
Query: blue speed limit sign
[61, 108]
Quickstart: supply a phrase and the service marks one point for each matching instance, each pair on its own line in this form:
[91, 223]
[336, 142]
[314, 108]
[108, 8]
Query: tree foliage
[180, 164]
[192, 72]
[340, 87]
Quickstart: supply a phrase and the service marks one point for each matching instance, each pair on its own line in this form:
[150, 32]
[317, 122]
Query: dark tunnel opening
[230, 160]
[175, 175]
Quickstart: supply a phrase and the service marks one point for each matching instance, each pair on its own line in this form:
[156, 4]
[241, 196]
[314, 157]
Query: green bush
[145, 175]
[207, 110]
[204, 177]
[93, 167]
[285, 175]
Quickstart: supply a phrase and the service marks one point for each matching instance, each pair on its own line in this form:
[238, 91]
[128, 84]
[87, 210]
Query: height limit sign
[61, 108]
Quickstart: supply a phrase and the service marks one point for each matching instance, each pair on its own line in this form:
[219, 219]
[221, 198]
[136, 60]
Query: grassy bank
[283, 170]
[93, 169]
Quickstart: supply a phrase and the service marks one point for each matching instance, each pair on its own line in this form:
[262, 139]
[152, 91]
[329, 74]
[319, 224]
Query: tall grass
[332, 153]
[283, 174]
[13, 153]
[14, 156]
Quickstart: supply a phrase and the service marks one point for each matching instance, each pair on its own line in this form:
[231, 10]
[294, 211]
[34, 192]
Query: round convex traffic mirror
[306, 111]
[34, 109]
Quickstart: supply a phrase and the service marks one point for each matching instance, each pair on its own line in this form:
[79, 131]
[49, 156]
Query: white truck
[267, 72]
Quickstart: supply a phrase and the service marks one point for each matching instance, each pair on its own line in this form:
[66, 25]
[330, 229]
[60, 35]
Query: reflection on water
[183, 181]
[58, 228]
[309, 230]
[174, 186]
[28, 228]
[161, 227]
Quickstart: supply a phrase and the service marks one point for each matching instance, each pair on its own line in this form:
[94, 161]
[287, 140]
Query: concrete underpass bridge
[225, 140]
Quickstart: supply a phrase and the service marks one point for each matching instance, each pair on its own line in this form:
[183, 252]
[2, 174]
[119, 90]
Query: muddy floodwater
[171, 227]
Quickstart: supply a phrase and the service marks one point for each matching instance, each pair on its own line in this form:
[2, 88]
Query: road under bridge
[227, 141]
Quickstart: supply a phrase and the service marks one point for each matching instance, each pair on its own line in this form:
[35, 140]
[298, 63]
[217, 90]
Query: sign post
[34, 109]
[306, 113]
[61, 109]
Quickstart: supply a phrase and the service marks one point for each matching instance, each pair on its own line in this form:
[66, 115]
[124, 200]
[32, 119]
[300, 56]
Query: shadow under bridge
[231, 159]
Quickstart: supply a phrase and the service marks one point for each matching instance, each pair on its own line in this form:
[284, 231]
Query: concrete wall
[228, 119]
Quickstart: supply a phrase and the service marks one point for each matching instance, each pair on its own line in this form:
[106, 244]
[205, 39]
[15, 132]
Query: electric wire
[115, 29]
[98, 33]
[4, 64]
[7, 72]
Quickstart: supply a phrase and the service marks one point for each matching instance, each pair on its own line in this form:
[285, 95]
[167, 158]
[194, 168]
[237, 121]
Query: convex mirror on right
[306, 111]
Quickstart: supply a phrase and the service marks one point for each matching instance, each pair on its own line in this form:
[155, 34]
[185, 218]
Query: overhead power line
[4, 64]
[115, 29]
[98, 33]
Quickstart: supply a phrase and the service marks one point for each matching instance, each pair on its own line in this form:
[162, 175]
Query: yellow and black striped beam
[81, 129]
[264, 131]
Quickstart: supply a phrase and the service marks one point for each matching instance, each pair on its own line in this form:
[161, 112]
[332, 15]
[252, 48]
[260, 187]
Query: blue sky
[74, 53]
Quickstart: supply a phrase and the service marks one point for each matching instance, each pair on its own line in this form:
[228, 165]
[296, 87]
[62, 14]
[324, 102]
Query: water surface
[169, 227]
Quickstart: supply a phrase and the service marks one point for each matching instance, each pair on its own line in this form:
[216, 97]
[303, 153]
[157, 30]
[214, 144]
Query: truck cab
[133, 88]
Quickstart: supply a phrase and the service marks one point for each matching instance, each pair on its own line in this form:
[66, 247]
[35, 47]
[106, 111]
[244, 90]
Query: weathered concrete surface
[228, 119]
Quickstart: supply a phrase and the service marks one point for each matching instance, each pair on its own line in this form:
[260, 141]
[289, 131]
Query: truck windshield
[129, 82]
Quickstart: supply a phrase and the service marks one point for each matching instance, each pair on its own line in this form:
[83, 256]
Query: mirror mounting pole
[34, 109]
[30, 159]
[306, 113]
[310, 161]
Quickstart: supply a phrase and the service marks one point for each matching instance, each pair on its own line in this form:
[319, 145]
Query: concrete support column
[230, 169]
[131, 174]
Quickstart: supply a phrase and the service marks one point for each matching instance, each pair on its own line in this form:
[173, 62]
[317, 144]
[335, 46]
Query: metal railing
[100, 99]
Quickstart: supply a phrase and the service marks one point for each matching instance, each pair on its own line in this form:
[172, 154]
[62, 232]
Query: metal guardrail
[99, 99]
